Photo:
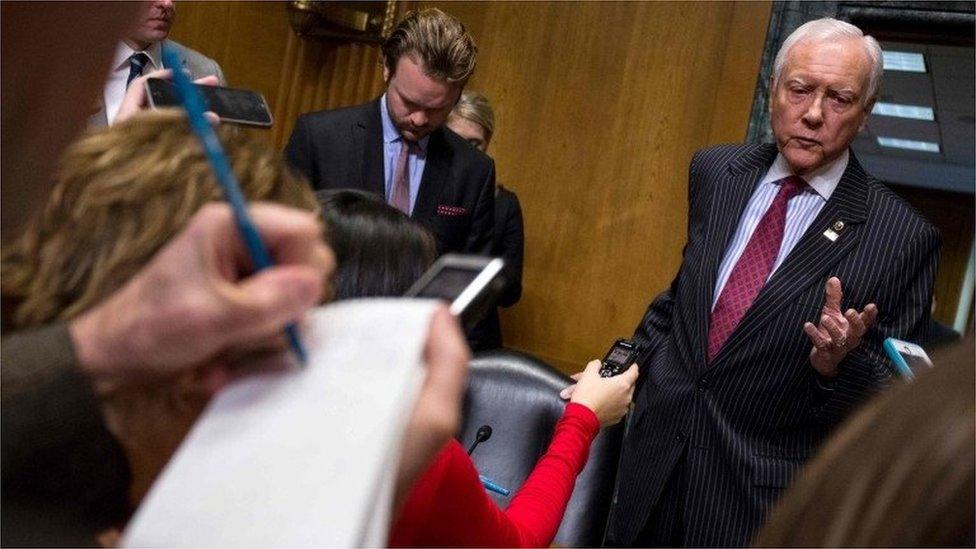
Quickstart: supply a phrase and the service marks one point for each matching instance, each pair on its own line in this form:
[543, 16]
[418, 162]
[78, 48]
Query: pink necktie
[400, 196]
[753, 267]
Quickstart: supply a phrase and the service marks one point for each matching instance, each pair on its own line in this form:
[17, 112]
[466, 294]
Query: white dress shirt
[800, 212]
[115, 84]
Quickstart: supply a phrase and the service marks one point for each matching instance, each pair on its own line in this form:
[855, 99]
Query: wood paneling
[257, 49]
[599, 108]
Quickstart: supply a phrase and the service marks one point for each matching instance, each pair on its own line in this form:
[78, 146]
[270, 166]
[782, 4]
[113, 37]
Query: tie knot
[792, 186]
[138, 59]
[412, 147]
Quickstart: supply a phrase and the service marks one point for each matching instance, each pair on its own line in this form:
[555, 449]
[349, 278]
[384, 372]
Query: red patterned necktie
[400, 195]
[753, 267]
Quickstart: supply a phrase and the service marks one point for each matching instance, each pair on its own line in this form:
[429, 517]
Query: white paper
[302, 458]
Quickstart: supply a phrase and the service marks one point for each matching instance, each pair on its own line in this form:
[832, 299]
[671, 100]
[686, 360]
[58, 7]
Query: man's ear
[771, 94]
[386, 74]
[866, 114]
[460, 92]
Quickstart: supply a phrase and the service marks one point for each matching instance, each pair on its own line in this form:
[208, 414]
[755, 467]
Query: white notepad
[302, 458]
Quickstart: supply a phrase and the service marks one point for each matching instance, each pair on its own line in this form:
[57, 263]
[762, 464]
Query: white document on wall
[301, 458]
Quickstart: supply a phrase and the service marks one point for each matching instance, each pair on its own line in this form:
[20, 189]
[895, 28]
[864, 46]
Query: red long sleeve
[448, 506]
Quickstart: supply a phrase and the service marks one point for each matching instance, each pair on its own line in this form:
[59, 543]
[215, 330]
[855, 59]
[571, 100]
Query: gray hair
[829, 29]
[474, 106]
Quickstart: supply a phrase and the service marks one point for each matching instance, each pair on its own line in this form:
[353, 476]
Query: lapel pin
[833, 232]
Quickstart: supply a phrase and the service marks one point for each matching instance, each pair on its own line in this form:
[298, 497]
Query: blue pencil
[193, 103]
[491, 486]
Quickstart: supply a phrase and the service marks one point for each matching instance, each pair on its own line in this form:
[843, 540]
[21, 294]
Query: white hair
[827, 30]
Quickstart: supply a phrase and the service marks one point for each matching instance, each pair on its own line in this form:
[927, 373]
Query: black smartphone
[618, 358]
[232, 105]
[469, 283]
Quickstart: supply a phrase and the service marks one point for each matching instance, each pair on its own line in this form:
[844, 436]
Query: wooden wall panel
[599, 109]
[257, 49]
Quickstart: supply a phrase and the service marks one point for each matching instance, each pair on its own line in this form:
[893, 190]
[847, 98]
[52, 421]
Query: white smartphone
[470, 283]
[232, 105]
[908, 358]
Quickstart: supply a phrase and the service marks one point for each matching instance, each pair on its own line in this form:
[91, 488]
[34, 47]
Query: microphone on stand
[484, 433]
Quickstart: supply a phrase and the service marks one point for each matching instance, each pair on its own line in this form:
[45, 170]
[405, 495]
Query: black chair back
[518, 396]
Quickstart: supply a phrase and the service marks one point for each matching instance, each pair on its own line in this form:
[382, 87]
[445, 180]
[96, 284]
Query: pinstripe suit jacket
[750, 418]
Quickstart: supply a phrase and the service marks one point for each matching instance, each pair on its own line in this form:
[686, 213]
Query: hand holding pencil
[195, 110]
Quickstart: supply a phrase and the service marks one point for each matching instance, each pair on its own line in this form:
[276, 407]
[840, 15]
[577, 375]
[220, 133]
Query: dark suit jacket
[65, 478]
[343, 148]
[509, 244]
[747, 421]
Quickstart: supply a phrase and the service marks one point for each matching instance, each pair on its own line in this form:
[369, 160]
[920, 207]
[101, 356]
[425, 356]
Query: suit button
[680, 437]
[703, 385]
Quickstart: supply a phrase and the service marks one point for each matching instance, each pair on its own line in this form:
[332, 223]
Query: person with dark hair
[379, 250]
[448, 506]
[397, 147]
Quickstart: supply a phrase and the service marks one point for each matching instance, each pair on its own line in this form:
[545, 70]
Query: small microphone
[484, 433]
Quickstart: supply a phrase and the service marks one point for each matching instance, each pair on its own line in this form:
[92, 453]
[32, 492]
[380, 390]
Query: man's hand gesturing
[838, 333]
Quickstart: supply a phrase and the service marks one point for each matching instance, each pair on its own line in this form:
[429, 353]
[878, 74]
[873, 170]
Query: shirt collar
[390, 132]
[823, 180]
[123, 52]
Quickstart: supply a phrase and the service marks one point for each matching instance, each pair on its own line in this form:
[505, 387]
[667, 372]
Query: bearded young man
[397, 146]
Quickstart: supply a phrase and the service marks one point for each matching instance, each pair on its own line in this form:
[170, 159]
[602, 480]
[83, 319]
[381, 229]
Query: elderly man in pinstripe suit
[798, 264]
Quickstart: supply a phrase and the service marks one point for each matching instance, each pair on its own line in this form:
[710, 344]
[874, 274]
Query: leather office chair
[518, 396]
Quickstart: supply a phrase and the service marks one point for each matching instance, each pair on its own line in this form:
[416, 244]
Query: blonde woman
[474, 120]
[121, 194]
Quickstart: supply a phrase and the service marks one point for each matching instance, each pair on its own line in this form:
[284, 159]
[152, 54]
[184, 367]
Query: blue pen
[492, 487]
[193, 103]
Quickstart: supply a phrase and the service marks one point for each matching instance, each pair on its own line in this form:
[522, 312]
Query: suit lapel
[435, 174]
[179, 52]
[812, 257]
[728, 201]
[368, 135]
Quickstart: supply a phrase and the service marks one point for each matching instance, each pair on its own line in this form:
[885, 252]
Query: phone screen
[232, 105]
[619, 355]
[915, 363]
[449, 283]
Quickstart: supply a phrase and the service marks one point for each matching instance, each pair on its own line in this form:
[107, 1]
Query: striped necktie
[137, 62]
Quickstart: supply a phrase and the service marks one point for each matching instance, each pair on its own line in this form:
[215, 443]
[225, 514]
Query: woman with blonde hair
[473, 119]
[121, 194]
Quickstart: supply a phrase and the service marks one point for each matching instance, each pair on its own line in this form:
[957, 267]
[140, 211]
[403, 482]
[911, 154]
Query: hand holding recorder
[608, 396]
[607, 386]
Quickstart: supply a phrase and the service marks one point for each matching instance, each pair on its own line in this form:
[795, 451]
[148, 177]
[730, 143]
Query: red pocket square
[451, 210]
